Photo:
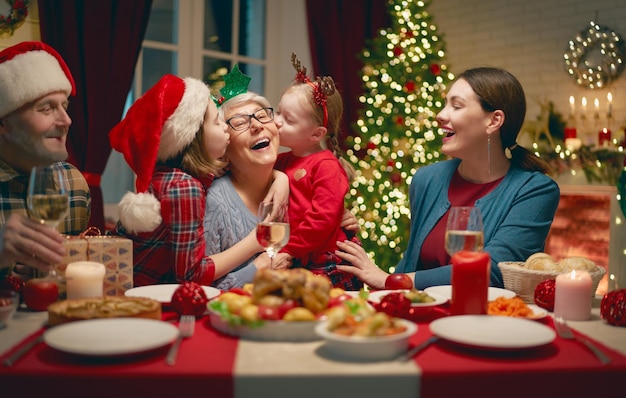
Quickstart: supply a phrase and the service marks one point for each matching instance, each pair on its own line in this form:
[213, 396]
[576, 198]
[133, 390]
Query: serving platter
[110, 337]
[493, 332]
[286, 331]
[163, 293]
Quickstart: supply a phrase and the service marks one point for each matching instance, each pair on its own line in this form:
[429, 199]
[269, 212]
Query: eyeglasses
[242, 122]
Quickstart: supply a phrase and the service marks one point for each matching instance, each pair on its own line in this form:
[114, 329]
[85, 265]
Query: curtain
[100, 40]
[338, 33]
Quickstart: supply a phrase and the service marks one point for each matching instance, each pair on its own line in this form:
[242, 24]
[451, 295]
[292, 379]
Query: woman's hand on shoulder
[279, 191]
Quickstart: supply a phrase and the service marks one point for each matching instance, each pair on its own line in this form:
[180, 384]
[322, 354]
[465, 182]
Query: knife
[22, 351]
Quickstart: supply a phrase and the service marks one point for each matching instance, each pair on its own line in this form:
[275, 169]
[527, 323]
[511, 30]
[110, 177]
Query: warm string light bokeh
[404, 80]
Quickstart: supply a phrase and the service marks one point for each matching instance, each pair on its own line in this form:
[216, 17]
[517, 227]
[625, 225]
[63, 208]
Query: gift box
[114, 252]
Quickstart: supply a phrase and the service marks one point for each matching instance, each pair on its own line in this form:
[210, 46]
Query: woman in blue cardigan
[484, 112]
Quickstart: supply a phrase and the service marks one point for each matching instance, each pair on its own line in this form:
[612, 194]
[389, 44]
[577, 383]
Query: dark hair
[499, 89]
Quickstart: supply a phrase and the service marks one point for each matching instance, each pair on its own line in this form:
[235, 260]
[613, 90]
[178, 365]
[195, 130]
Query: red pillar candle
[470, 283]
[604, 137]
[569, 132]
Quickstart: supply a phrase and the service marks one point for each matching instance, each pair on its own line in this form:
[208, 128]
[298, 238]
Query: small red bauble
[613, 307]
[435, 69]
[409, 86]
[13, 283]
[395, 304]
[371, 145]
[544, 294]
[397, 51]
[189, 299]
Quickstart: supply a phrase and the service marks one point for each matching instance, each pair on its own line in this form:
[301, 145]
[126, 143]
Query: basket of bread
[523, 277]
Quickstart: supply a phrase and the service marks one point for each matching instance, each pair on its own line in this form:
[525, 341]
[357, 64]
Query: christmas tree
[404, 80]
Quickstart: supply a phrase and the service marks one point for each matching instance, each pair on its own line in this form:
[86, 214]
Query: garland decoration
[595, 57]
[15, 18]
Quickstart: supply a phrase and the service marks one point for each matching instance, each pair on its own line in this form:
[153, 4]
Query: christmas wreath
[595, 57]
[15, 18]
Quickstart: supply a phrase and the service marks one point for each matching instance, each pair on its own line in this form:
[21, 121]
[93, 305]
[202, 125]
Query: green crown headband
[235, 83]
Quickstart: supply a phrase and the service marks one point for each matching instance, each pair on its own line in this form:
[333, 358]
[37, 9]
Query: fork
[564, 331]
[186, 327]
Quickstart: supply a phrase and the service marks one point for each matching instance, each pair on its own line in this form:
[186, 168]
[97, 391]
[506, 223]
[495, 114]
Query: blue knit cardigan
[517, 216]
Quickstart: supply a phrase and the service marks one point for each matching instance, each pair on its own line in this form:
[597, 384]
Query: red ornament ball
[397, 51]
[371, 145]
[409, 86]
[189, 299]
[544, 294]
[613, 307]
[395, 304]
[399, 120]
[395, 178]
[435, 69]
[12, 283]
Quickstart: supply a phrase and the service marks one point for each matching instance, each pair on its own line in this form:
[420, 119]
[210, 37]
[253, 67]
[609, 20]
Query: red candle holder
[604, 137]
[569, 132]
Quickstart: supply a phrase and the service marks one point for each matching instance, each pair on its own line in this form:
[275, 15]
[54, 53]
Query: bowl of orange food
[363, 334]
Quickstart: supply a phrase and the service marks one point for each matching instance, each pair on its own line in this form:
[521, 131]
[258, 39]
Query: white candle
[572, 296]
[609, 98]
[572, 107]
[583, 101]
[596, 103]
[84, 279]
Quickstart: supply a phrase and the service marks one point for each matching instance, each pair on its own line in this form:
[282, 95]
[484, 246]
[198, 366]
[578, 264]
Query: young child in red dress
[308, 117]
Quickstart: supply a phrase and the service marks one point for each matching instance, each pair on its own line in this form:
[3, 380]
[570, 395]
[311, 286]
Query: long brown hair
[499, 89]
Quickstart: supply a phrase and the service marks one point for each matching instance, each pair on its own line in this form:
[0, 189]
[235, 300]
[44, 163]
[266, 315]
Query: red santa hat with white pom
[30, 70]
[158, 126]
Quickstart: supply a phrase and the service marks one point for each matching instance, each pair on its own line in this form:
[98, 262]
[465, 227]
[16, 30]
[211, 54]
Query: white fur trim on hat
[180, 129]
[140, 212]
[29, 76]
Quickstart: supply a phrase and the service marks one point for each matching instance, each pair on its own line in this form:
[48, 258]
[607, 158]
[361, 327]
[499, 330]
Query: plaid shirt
[14, 188]
[174, 252]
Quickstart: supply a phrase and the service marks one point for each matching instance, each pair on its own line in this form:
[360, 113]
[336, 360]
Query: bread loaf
[103, 307]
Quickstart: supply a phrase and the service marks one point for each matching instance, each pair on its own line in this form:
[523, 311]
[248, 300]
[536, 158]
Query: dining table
[214, 364]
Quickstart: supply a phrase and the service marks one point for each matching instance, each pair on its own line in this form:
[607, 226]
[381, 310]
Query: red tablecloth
[205, 363]
[562, 368]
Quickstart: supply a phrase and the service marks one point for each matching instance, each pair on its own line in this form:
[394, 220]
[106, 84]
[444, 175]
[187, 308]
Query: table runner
[205, 364]
[561, 368]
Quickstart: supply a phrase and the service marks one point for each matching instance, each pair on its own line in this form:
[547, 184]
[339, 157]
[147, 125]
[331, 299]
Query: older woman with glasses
[233, 199]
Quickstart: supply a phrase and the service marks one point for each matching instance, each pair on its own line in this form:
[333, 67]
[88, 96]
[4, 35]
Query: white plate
[109, 337]
[377, 295]
[163, 293]
[493, 332]
[493, 293]
[269, 331]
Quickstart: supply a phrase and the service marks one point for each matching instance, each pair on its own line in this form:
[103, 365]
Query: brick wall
[529, 38]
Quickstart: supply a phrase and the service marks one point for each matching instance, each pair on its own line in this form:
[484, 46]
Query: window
[201, 38]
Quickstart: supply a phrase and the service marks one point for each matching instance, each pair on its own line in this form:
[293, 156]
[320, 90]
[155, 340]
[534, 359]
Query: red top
[460, 193]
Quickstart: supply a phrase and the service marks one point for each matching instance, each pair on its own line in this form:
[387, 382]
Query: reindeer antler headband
[322, 87]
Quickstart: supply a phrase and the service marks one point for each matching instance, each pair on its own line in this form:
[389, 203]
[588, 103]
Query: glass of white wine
[464, 230]
[48, 198]
[272, 229]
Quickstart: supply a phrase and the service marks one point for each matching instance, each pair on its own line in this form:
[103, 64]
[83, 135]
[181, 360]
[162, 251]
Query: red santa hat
[28, 71]
[158, 126]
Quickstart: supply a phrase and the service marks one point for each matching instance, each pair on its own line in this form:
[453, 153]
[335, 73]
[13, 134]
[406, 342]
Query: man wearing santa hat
[35, 84]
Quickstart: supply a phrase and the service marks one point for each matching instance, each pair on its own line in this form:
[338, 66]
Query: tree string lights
[404, 81]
